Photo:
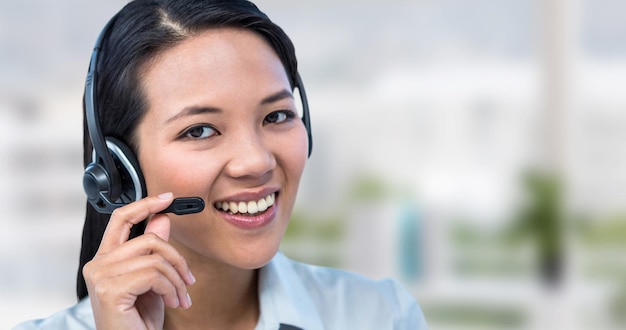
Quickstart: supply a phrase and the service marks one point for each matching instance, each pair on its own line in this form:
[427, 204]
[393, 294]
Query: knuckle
[152, 239]
[118, 213]
[91, 271]
[101, 291]
[165, 270]
[156, 277]
[157, 261]
[87, 270]
[177, 260]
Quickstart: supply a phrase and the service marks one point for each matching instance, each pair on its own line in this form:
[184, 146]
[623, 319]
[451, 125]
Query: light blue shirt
[294, 295]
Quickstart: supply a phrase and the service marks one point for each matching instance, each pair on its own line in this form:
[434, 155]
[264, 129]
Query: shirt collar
[283, 298]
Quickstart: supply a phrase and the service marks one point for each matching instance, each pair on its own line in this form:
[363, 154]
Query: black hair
[139, 32]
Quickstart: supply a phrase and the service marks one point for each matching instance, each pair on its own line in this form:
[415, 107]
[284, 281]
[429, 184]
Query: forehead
[211, 62]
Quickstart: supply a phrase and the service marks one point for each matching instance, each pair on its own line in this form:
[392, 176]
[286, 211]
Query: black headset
[114, 178]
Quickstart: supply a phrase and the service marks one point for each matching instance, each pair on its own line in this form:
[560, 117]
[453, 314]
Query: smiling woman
[247, 148]
[195, 98]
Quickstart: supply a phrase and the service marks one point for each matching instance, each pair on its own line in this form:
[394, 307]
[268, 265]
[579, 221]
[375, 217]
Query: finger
[146, 273]
[159, 224]
[134, 284]
[148, 244]
[124, 218]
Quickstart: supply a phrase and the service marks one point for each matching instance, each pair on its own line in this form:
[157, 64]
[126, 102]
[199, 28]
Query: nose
[250, 158]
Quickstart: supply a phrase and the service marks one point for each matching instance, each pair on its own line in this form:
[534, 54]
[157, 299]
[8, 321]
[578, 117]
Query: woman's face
[221, 124]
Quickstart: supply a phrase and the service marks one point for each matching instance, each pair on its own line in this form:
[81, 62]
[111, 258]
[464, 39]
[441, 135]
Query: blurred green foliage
[303, 225]
[487, 253]
[476, 316]
[368, 188]
[541, 221]
[603, 232]
[541, 218]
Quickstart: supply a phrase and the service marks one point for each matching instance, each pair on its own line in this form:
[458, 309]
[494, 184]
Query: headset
[114, 178]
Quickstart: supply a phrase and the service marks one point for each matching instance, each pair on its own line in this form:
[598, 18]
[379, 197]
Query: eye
[199, 132]
[277, 117]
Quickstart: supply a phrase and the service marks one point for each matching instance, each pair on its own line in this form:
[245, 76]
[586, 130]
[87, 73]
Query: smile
[247, 208]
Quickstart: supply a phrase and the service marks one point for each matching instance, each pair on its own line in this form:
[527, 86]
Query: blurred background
[471, 149]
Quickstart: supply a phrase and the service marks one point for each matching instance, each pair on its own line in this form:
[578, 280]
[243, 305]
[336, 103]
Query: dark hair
[139, 32]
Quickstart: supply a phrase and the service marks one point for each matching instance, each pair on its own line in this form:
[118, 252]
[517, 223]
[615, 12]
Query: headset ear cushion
[95, 180]
[131, 177]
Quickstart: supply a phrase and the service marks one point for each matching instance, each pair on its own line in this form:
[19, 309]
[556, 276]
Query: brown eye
[199, 132]
[279, 116]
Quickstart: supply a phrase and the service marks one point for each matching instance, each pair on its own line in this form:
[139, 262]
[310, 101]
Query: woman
[201, 94]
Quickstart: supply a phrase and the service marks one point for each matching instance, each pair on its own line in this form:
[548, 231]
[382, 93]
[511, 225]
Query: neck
[224, 297]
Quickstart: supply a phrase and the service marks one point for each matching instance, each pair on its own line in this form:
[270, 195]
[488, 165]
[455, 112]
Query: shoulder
[77, 317]
[339, 294]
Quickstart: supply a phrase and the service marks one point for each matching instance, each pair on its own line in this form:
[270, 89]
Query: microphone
[185, 205]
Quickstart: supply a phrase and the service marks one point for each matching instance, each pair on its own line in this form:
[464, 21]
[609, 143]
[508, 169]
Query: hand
[131, 282]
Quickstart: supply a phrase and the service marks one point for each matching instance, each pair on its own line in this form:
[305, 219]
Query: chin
[254, 259]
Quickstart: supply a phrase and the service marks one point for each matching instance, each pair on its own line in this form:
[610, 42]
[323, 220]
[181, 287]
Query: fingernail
[188, 300]
[167, 195]
[192, 279]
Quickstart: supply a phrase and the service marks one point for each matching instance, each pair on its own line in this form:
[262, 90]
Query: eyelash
[289, 115]
[186, 134]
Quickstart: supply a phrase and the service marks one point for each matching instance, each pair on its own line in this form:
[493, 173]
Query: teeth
[250, 207]
[242, 207]
[262, 205]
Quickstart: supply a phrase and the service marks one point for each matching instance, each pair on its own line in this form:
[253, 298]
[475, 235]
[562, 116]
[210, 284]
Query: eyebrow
[193, 110]
[284, 94]
[198, 110]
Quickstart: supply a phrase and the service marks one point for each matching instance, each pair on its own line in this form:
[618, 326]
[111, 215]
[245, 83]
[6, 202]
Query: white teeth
[250, 207]
[262, 205]
[242, 207]
[270, 200]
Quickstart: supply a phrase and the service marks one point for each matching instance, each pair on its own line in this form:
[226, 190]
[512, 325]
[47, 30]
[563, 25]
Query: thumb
[159, 225]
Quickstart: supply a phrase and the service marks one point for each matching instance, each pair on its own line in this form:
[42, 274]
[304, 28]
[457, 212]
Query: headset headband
[306, 119]
[102, 154]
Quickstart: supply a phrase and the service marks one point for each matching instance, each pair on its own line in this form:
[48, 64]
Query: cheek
[176, 173]
[294, 154]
